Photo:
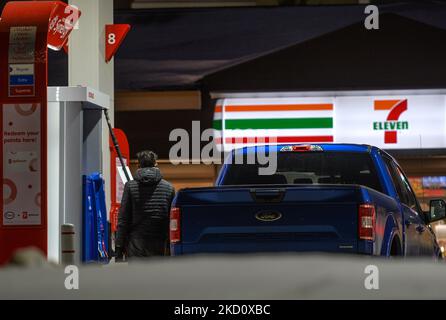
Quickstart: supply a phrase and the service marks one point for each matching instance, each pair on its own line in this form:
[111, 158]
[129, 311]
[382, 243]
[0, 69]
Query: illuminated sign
[389, 122]
[391, 125]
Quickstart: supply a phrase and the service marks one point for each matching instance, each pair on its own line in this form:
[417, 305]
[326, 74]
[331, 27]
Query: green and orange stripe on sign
[293, 123]
[243, 121]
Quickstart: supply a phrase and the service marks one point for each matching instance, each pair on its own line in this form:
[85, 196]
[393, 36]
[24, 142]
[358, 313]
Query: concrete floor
[282, 276]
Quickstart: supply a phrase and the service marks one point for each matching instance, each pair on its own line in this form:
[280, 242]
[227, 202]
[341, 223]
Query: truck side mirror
[437, 210]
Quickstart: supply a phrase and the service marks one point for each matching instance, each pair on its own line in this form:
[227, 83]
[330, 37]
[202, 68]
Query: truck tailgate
[273, 218]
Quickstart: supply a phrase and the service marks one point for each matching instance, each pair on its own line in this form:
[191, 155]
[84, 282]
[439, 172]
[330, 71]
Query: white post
[87, 66]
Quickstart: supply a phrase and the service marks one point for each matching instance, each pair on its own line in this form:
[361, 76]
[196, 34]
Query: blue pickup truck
[322, 198]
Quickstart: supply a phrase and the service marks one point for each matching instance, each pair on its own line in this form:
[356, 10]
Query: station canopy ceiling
[176, 48]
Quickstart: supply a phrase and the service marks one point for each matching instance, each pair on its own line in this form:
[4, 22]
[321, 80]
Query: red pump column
[27, 28]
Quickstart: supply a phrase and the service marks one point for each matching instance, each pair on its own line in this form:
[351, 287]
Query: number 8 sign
[112, 38]
[114, 35]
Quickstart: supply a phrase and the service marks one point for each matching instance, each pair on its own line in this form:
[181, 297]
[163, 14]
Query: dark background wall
[402, 54]
[151, 129]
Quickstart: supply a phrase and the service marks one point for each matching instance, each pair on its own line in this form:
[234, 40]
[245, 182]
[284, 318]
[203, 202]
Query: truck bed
[255, 218]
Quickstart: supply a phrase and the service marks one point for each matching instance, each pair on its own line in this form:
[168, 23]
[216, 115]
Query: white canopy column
[87, 66]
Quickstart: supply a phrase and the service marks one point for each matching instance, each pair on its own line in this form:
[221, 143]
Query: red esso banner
[63, 21]
[114, 35]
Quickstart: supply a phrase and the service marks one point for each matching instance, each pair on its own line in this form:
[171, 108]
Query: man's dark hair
[147, 159]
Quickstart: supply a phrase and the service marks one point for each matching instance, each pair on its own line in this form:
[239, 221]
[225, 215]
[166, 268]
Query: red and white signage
[21, 164]
[27, 29]
[114, 36]
[408, 121]
[63, 21]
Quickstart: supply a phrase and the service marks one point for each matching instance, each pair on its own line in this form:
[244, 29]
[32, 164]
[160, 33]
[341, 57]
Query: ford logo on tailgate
[268, 216]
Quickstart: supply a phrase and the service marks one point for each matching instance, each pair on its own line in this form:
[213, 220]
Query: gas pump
[27, 29]
[51, 137]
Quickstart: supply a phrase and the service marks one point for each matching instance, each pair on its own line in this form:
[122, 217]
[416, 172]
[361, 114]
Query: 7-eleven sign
[392, 124]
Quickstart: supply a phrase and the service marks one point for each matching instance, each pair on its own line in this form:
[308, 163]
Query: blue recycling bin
[94, 220]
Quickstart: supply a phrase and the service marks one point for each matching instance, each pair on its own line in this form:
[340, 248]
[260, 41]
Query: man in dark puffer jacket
[143, 222]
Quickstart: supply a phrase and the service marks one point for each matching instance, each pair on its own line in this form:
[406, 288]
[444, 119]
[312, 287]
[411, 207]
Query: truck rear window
[309, 168]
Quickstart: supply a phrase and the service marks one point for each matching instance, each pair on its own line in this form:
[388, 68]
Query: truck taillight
[366, 222]
[175, 220]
